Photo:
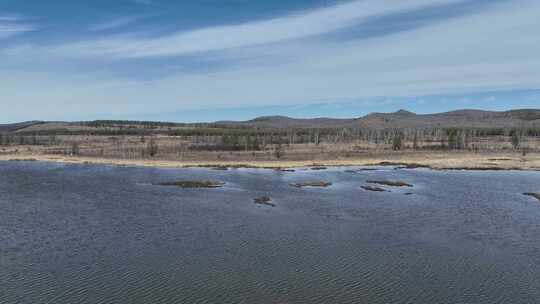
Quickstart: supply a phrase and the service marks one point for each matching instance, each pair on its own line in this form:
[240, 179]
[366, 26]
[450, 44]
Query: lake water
[100, 234]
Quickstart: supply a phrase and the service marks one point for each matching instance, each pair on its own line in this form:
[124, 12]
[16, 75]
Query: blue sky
[235, 59]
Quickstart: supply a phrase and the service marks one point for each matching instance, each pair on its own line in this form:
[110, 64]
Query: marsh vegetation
[194, 184]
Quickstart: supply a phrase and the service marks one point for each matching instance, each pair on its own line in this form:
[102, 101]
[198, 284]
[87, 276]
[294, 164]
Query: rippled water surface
[99, 234]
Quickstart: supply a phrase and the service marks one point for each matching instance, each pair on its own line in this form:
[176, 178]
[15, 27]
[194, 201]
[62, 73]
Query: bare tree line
[277, 141]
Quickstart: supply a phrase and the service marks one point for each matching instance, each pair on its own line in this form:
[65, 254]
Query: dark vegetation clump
[23, 160]
[400, 165]
[390, 183]
[373, 188]
[492, 168]
[311, 184]
[533, 194]
[264, 200]
[194, 184]
[413, 166]
[285, 170]
[220, 168]
[361, 170]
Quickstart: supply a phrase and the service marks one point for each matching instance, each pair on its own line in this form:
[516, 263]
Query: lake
[104, 234]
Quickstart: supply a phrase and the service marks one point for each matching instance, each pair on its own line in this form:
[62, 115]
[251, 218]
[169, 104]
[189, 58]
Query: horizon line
[273, 115]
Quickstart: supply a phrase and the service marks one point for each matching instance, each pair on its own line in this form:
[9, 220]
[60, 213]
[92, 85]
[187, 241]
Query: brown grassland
[467, 139]
[175, 152]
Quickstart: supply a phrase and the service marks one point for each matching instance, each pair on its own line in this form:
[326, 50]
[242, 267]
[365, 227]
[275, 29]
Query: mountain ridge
[405, 119]
[465, 118]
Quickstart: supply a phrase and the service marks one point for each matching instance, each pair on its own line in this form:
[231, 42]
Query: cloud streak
[293, 27]
[143, 2]
[114, 24]
[10, 26]
[486, 50]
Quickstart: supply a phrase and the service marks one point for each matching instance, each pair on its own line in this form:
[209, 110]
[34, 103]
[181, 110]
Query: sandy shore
[434, 160]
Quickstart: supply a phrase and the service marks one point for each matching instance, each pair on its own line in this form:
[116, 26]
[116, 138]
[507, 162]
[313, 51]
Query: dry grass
[97, 150]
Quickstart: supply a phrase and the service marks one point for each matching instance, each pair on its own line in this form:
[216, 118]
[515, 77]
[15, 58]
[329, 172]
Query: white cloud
[114, 24]
[8, 30]
[9, 18]
[491, 50]
[297, 26]
[12, 25]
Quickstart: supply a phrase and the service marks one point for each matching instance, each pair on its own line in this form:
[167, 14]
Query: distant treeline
[220, 138]
[112, 128]
[130, 124]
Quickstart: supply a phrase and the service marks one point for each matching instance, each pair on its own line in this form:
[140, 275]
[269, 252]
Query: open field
[460, 139]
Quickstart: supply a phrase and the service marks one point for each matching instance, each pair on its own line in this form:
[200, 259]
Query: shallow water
[100, 234]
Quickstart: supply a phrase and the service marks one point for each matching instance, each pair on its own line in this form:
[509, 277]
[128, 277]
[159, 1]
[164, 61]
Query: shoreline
[430, 160]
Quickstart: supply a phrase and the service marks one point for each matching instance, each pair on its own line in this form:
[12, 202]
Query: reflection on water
[90, 234]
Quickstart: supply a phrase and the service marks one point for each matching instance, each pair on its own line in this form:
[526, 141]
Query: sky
[209, 60]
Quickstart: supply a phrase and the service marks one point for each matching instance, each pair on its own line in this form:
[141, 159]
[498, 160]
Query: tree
[255, 145]
[452, 139]
[515, 140]
[75, 148]
[52, 139]
[316, 137]
[278, 151]
[397, 141]
[291, 136]
[152, 147]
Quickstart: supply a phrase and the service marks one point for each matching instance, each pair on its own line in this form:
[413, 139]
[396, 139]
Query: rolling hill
[405, 119]
[522, 118]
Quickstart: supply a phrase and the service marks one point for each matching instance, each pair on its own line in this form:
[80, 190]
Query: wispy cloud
[10, 18]
[114, 24]
[13, 25]
[287, 28]
[143, 2]
[484, 50]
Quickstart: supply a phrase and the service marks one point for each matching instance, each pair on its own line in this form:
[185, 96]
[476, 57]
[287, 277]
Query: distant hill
[406, 119]
[17, 126]
[397, 120]
[281, 122]
[461, 118]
